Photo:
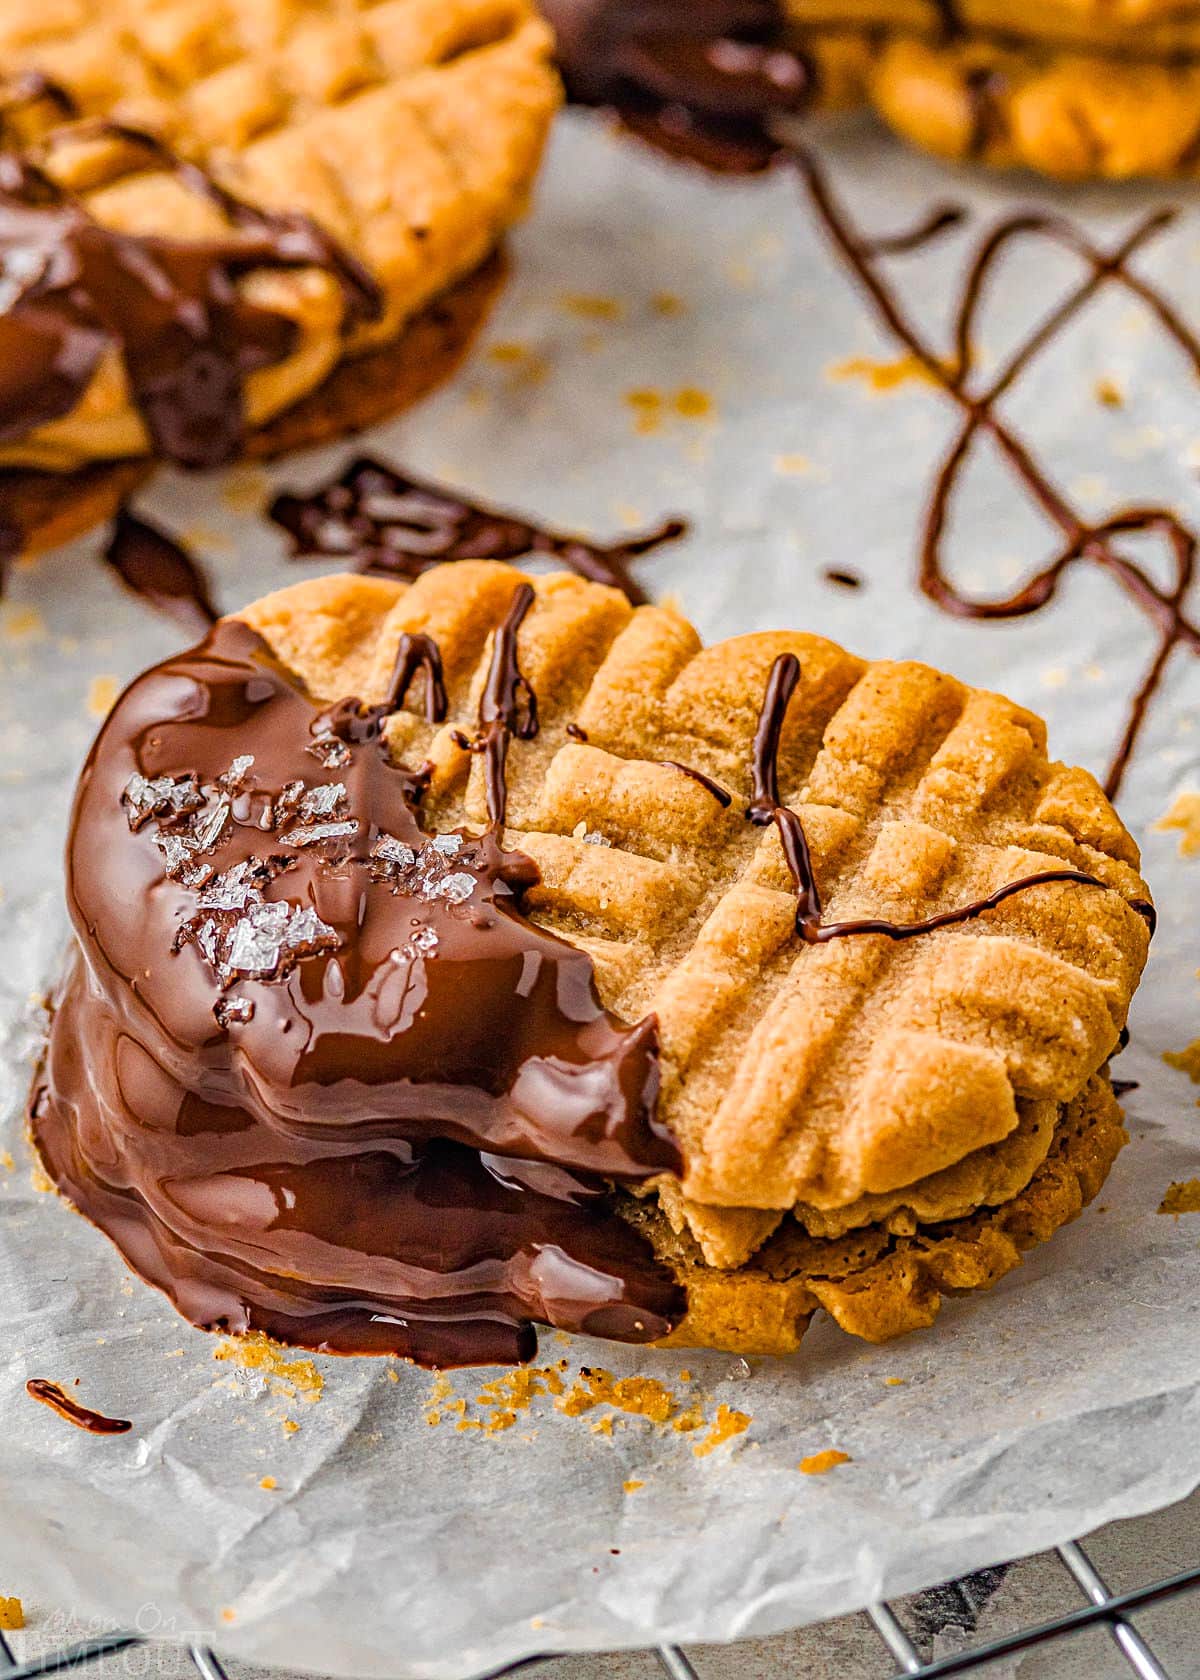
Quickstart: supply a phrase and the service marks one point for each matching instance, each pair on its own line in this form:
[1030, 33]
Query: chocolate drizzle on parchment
[605, 48]
[314, 1070]
[977, 399]
[766, 806]
[387, 522]
[160, 571]
[53, 1394]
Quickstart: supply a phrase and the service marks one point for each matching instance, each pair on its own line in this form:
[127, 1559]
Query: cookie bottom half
[875, 1284]
[45, 509]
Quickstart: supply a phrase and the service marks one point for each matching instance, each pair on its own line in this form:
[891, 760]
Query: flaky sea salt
[233, 1011]
[209, 825]
[333, 753]
[387, 849]
[316, 832]
[163, 795]
[233, 889]
[235, 777]
[457, 888]
[449, 845]
[323, 800]
[256, 942]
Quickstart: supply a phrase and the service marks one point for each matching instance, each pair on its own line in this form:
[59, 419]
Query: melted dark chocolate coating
[699, 79]
[83, 1417]
[160, 571]
[387, 522]
[171, 307]
[394, 1134]
[765, 806]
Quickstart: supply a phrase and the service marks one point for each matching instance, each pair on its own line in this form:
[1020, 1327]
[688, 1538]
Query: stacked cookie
[860, 954]
[240, 228]
[1073, 88]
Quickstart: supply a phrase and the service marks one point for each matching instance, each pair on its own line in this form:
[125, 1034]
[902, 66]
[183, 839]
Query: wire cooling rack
[1103, 1609]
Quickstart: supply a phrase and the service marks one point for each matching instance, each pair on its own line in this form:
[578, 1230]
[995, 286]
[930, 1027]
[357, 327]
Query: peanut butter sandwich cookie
[230, 230]
[1073, 88]
[478, 951]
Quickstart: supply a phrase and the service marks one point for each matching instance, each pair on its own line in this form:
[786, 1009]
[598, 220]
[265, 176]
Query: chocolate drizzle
[507, 707]
[95, 1423]
[943, 218]
[391, 524]
[765, 807]
[160, 571]
[722, 795]
[171, 307]
[313, 1070]
[698, 79]
[1094, 542]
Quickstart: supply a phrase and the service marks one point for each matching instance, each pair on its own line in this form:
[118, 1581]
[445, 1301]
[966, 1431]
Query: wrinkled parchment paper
[1068, 1397]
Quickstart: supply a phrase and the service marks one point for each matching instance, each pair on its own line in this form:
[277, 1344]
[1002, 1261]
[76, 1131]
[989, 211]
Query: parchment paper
[1067, 1397]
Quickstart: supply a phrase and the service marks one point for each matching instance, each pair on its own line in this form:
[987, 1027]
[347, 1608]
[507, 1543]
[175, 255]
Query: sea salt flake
[208, 937]
[449, 845]
[594, 839]
[316, 832]
[333, 753]
[177, 853]
[159, 797]
[235, 777]
[233, 1011]
[387, 849]
[457, 887]
[289, 797]
[209, 825]
[307, 933]
[424, 940]
[257, 940]
[233, 889]
[323, 800]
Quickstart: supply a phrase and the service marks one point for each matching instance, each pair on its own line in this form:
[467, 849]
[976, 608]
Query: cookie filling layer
[313, 1070]
[186, 335]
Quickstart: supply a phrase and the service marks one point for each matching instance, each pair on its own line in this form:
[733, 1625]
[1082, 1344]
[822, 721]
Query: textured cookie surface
[410, 130]
[1074, 88]
[862, 1082]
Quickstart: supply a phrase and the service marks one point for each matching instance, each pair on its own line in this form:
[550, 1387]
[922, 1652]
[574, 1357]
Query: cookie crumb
[1184, 815]
[1182, 1197]
[298, 1378]
[1186, 1060]
[724, 1427]
[12, 1614]
[667, 303]
[816, 1464]
[590, 307]
[290, 1426]
[1108, 393]
[632, 1487]
[101, 695]
[894, 1382]
[22, 624]
[640, 1396]
[269, 1483]
[693, 404]
[882, 376]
